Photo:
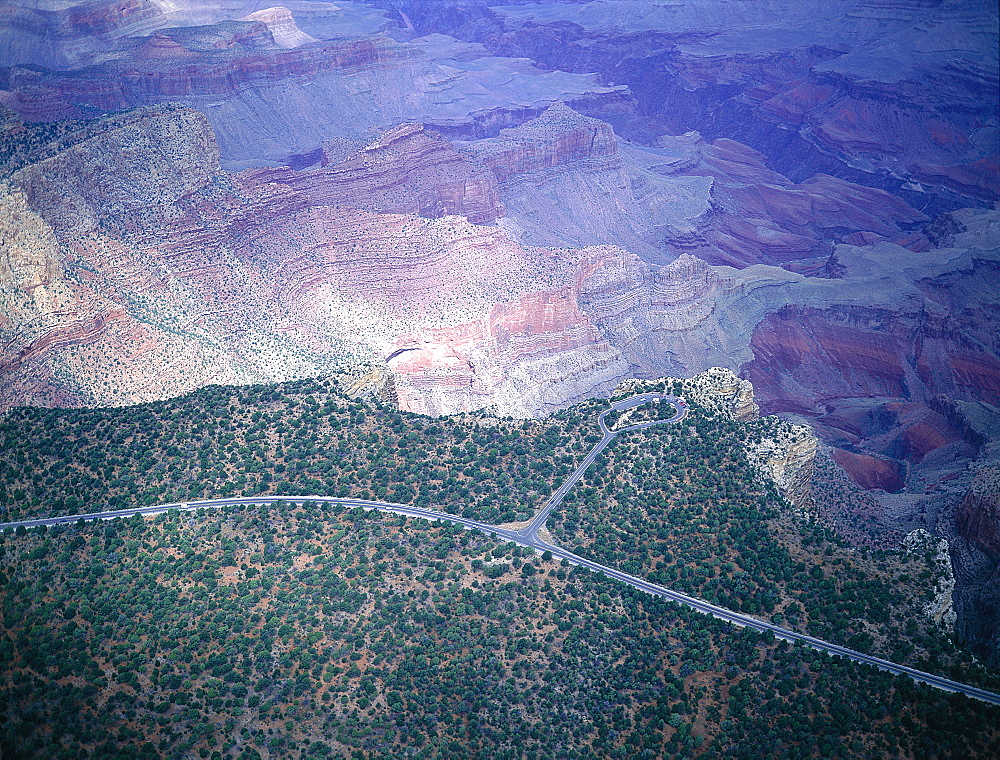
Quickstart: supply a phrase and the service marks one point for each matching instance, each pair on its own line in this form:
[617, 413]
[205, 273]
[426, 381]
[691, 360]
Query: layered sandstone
[812, 86]
[522, 359]
[567, 180]
[407, 170]
[284, 31]
[558, 136]
[786, 454]
[213, 278]
[270, 93]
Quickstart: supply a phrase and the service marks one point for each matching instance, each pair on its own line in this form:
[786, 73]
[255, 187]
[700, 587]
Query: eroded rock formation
[941, 608]
[405, 171]
[199, 276]
[975, 555]
[781, 452]
[799, 196]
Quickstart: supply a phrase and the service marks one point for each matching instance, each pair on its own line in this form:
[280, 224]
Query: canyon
[513, 208]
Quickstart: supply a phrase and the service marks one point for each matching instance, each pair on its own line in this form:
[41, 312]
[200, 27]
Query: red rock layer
[978, 516]
[850, 351]
[166, 69]
[497, 360]
[558, 136]
[760, 217]
[870, 472]
[824, 362]
[108, 16]
[407, 170]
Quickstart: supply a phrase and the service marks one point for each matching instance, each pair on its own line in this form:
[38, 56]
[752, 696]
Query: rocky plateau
[514, 207]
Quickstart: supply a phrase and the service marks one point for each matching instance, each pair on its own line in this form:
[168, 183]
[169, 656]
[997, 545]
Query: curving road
[528, 536]
[530, 532]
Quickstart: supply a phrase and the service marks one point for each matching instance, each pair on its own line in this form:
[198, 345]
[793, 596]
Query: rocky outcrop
[523, 359]
[284, 31]
[377, 384]
[270, 97]
[941, 608]
[558, 136]
[721, 391]
[786, 454]
[781, 452]
[975, 555]
[95, 179]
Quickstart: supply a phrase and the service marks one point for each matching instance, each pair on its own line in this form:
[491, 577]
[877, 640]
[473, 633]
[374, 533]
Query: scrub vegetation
[310, 632]
[300, 438]
[302, 630]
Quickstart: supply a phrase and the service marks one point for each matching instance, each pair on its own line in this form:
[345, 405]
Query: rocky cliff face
[279, 21]
[782, 452]
[251, 77]
[523, 359]
[787, 456]
[558, 136]
[872, 92]
[975, 555]
[721, 391]
[405, 171]
[201, 276]
[798, 193]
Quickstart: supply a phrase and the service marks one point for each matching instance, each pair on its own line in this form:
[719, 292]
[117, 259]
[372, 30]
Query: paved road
[607, 436]
[529, 537]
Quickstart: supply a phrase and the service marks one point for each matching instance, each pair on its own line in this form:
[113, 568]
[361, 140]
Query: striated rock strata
[405, 171]
[524, 358]
[169, 264]
[891, 95]
[271, 93]
[558, 136]
[566, 179]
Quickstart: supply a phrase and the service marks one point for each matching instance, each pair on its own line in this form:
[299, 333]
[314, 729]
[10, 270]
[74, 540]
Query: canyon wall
[975, 555]
[406, 170]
